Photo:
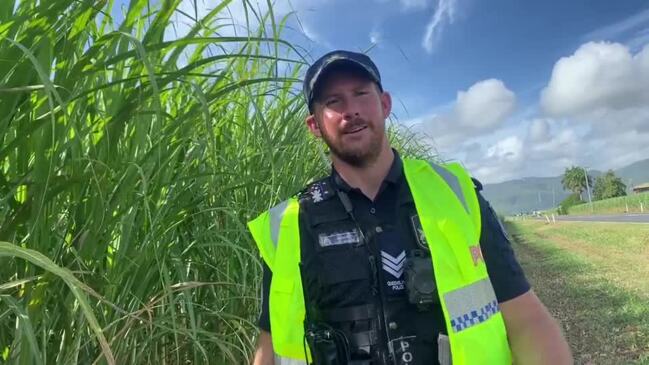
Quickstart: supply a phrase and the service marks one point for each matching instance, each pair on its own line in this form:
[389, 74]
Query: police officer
[389, 260]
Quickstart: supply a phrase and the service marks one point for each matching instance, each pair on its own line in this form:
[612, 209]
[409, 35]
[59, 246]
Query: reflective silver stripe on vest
[471, 305]
[276, 215]
[281, 360]
[452, 181]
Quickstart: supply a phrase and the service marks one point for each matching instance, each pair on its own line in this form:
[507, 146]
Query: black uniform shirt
[392, 209]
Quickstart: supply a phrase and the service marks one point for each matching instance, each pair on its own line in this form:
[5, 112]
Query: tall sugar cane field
[137, 138]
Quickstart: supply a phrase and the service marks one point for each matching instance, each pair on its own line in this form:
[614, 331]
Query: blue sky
[476, 86]
[510, 88]
[515, 41]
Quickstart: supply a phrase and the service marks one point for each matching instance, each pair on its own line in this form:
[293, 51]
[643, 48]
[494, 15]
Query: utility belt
[352, 335]
[330, 344]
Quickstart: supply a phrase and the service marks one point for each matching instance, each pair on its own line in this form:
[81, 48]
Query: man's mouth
[356, 129]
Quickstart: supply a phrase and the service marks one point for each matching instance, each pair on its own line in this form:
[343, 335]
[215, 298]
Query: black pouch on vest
[343, 269]
[328, 346]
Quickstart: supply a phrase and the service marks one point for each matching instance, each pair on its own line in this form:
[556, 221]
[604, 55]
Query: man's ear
[312, 124]
[386, 103]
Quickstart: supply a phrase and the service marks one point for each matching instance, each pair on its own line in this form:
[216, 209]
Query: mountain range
[539, 193]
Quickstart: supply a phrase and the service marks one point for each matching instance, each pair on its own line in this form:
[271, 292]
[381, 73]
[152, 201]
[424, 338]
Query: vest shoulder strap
[265, 230]
[464, 188]
[469, 188]
[452, 181]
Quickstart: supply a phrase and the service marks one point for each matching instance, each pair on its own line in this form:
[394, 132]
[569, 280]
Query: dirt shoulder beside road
[594, 278]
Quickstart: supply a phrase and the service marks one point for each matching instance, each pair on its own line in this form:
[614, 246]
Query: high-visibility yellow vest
[447, 205]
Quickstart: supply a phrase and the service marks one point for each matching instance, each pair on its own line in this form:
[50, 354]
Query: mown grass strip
[603, 312]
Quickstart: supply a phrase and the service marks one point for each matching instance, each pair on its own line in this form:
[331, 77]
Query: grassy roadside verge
[593, 278]
[634, 203]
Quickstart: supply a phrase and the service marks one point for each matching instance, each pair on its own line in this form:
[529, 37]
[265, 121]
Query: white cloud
[238, 10]
[376, 37]
[597, 76]
[232, 21]
[312, 35]
[545, 147]
[622, 149]
[605, 122]
[565, 143]
[539, 130]
[509, 149]
[485, 105]
[411, 5]
[639, 39]
[444, 15]
[478, 111]
[597, 106]
[415, 4]
[538, 147]
[621, 28]
[500, 161]
[234, 15]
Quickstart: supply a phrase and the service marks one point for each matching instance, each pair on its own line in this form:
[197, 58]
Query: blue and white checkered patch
[471, 305]
[474, 317]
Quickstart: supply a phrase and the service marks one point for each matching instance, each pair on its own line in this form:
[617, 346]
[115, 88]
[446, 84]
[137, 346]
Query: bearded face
[349, 116]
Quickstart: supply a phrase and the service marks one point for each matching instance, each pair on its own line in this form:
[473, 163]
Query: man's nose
[351, 111]
[351, 115]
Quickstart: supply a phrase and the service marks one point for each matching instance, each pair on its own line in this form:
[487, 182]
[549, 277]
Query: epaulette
[317, 191]
[477, 184]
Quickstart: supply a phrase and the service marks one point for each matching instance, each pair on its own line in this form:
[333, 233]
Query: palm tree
[573, 179]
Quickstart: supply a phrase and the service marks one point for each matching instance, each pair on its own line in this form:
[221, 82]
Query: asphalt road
[624, 218]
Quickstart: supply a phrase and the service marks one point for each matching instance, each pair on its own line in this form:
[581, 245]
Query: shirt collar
[393, 177]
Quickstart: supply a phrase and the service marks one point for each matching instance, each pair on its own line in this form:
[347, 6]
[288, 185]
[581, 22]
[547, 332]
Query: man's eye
[331, 101]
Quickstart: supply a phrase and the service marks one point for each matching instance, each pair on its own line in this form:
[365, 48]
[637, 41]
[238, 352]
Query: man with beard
[389, 260]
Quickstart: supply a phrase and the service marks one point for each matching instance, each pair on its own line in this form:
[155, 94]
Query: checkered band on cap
[471, 305]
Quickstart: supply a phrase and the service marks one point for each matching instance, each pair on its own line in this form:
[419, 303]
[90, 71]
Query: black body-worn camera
[420, 280]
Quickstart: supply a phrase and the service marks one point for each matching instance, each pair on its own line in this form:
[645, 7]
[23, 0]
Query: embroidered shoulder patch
[318, 191]
[418, 230]
[476, 254]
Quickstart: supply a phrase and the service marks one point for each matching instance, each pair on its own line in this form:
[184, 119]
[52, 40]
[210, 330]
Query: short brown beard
[354, 159]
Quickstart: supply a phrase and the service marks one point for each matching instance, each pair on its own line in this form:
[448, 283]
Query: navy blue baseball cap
[358, 61]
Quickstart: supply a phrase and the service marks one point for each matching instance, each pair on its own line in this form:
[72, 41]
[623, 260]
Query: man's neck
[368, 178]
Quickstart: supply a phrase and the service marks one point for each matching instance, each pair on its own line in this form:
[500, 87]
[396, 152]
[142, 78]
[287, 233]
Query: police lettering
[406, 356]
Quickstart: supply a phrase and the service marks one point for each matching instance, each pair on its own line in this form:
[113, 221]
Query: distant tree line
[577, 180]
